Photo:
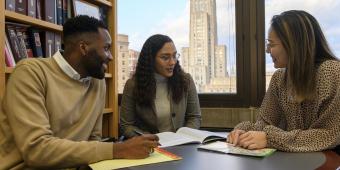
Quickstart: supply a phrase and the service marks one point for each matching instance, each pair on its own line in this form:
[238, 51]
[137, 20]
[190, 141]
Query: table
[194, 159]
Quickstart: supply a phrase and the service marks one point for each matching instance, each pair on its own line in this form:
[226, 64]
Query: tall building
[204, 59]
[133, 59]
[127, 60]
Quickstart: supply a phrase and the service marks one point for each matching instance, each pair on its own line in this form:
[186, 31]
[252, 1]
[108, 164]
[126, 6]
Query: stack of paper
[159, 155]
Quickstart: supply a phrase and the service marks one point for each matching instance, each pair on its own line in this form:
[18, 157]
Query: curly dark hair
[80, 24]
[145, 82]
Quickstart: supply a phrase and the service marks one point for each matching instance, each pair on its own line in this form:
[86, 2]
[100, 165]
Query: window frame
[250, 59]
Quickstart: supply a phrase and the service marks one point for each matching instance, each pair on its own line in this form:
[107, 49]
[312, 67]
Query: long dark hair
[306, 46]
[145, 83]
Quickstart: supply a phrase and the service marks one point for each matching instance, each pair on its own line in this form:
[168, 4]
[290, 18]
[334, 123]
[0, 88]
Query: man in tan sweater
[51, 113]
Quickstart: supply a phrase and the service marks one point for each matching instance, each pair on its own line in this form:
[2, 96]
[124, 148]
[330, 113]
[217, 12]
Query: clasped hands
[248, 140]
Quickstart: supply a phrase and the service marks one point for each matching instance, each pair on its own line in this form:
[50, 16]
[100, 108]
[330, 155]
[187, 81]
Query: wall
[227, 117]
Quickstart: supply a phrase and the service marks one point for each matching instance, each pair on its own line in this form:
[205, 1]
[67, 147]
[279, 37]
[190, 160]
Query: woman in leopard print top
[301, 109]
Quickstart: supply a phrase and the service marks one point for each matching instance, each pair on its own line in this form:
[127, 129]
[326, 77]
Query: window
[219, 53]
[323, 11]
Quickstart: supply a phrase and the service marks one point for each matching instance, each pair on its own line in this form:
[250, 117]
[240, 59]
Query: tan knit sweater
[309, 126]
[49, 120]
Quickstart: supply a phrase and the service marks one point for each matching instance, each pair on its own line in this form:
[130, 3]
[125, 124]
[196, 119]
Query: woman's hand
[234, 135]
[253, 140]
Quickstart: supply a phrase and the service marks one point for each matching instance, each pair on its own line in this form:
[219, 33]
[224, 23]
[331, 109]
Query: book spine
[70, 12]
[27, 44]
[10, 5]
[35, 42]
[38, 9]
[49, 11]
[22, 46]
[31, 8]
[59, 12]
[13, 41]
[64, 11]
[11, 57]
[48, 44]
[8, 60]
[21, 6]
[57, 42]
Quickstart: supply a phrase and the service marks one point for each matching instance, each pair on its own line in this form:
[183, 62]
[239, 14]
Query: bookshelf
[32, 21]
[110, 121]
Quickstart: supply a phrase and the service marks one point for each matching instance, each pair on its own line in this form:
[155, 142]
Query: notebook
[159, 155]
[185, 135]
[224, 147]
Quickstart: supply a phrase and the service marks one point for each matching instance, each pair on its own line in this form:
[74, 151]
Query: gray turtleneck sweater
[162, 104]
[164, 114]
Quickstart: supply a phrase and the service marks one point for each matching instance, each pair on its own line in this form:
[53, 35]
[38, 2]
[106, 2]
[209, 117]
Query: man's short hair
[81, 24]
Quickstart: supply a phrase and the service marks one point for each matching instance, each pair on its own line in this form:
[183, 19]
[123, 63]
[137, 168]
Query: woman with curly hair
[160, 96]
[301, 109]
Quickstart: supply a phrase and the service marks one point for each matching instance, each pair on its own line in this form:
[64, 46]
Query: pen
[138, 132]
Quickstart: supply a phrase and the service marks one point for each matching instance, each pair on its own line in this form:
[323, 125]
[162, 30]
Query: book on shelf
[224, 147]
[48, 43]
[38, 8]
[10, 5]
[13, 42]
[19, 40]
[48, 10]
[35, 42]
[64, 10]
[158, 156]
[54, 11]
[21, 6]
[31, 8]
[9, 59]
[57, 42]
[10, 62]
[29, 50]
[70, 11]
[22, 44]
[185, 135]
[29, 42]
[59, 12]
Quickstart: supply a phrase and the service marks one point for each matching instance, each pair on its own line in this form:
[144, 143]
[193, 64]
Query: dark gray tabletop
[194, 159]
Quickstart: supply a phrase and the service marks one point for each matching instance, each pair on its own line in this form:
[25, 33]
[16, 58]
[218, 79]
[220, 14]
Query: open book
[224, 147]
[185, 135]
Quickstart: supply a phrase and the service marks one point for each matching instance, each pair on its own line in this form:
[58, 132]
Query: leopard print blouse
[301, 127]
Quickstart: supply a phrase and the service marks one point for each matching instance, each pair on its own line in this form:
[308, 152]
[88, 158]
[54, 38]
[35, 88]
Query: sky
[142, 18]
[325, 11]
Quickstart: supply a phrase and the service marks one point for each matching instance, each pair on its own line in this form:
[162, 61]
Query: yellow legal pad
[159, 155]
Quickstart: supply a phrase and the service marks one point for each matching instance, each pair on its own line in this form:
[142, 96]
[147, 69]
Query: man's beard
[94, 65]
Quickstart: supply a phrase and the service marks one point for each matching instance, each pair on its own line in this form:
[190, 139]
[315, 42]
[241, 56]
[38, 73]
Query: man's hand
[136, 148]
[234, 135]
[253, 140]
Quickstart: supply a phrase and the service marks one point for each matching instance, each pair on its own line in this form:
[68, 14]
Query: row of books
[54, 11]
[23, 41]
